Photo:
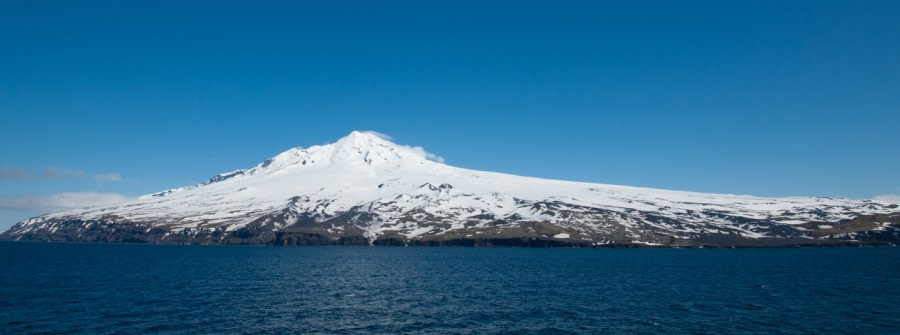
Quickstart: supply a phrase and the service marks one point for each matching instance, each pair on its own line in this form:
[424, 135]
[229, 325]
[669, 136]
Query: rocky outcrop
[882, 229]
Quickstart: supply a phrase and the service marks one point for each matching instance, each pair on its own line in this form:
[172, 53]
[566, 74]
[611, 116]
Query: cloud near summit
[382, 136]
[428, 155]
[417, 149]
[421, 152]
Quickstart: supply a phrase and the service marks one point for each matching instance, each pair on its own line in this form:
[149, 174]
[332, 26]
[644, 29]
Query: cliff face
[366, 190]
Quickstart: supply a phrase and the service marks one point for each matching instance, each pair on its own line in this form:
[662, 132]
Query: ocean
[69, 288]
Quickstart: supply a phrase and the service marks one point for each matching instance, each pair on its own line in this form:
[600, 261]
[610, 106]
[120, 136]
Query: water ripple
[114, 289]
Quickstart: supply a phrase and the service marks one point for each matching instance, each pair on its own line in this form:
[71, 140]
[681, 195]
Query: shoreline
[498, 244]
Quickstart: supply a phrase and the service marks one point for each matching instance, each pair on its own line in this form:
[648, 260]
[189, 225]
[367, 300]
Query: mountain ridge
[365, 189]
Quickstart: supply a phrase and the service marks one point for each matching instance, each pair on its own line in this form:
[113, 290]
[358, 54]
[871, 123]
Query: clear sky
[775, 98]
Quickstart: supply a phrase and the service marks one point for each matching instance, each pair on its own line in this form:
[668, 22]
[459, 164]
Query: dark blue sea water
[108, 288]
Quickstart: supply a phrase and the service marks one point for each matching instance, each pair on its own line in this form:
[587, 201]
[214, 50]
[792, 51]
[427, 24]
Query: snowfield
[364, 185]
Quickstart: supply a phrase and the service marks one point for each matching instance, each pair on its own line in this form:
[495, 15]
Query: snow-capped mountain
[364, 189]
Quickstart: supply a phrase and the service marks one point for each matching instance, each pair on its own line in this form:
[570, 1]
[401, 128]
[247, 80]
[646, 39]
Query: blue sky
[774, 98]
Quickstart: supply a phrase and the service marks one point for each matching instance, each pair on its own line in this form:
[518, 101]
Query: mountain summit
[359, 147]
[357, 150]
[365, 189]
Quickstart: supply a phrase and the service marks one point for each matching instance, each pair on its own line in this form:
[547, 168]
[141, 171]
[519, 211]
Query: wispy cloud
[418, 150]
[8, 172]
[60, 173]
[431, 156]
[379, 135]
[61, 201]
[888, 198]
[107, 177]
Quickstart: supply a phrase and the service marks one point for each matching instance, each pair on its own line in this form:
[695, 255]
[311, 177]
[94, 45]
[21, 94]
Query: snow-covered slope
[366, 189]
